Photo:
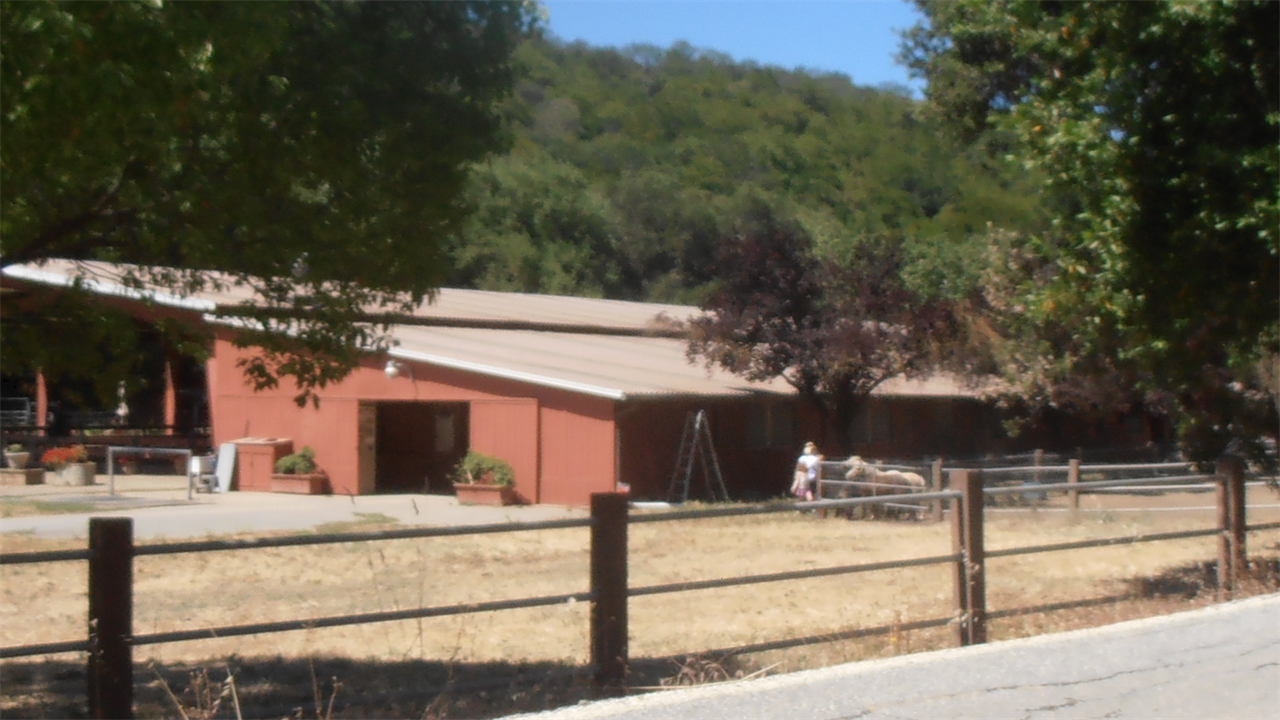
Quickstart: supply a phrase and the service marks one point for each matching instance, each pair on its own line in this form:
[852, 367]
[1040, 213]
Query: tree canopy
[1155, 128]
[314, 151]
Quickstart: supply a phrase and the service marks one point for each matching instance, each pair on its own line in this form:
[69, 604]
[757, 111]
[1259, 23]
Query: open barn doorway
[418, 444]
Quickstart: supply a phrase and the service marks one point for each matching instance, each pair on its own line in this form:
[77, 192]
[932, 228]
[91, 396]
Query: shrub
[302, 462]
[15, 448]
[57, 458]
[475, 466]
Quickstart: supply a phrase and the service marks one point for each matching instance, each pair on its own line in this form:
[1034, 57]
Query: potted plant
[298, 473]
[481, 479]
[16, 456]
[69, 464]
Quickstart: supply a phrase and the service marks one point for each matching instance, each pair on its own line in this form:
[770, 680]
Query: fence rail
[44, 556]
[111, 555]
[357, 619]
[201, 546]
[789, 575]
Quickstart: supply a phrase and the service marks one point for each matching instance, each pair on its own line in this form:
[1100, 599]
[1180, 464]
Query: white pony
[882, 482]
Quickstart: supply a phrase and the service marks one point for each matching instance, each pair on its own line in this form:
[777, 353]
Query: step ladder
[696, 446]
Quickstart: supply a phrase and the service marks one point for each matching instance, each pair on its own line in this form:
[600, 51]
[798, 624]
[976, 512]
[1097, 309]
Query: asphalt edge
[606, 708]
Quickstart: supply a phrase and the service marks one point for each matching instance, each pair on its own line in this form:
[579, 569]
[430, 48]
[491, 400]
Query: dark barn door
[418, 445]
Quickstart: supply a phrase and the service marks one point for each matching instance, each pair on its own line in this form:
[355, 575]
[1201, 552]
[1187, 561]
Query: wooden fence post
[970, 538]
[935, 485]
[1232, 558]
[975, 542]
[111, 618]
[1073, 478]
[955, 480]
[609, 588]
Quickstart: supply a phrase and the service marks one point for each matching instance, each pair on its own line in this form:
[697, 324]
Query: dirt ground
[671, 635]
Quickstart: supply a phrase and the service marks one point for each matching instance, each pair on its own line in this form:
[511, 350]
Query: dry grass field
[45, 603]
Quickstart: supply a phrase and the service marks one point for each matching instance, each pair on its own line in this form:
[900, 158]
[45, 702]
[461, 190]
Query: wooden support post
[609, 589]
[1073, 478]
[935, 485]
[1232, 557]
[170, 398]
[969, 529]
[42, 403]
[111, 618]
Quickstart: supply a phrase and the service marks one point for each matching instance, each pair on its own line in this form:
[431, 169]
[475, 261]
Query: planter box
[480, 494]
[256, 461]
[315, 484]
[77, 474]
[17, 460]
[25, 476]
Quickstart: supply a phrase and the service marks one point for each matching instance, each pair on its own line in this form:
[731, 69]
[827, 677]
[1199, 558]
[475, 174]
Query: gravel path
[160, 509]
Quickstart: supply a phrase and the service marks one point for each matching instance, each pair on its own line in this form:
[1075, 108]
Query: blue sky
[854, 37]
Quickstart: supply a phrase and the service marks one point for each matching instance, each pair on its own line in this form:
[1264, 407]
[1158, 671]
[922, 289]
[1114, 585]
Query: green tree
[539, 226]
[314, 152]
[1155, 128]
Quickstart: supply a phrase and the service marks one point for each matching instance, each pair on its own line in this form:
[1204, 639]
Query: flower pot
[312, 484]
[482, 494]
[76, 473]
[17, 460]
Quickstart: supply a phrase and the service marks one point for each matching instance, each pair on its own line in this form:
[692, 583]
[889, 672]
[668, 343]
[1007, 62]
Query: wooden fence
[111, 553]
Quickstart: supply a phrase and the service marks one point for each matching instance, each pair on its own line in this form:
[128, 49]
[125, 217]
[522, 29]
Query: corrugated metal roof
[451, 303]
[604, 366]
[613, 367]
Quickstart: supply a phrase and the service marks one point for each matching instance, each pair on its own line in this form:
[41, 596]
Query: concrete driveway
[1217, 662]
[160, 509]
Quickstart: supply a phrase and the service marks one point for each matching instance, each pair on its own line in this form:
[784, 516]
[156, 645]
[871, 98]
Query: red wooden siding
[651, 434]
[559, 444]
[508, 429]
[577, 449]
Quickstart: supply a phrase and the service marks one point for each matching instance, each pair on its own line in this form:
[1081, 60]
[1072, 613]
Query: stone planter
[313, 484]
[17, 460]
[482, 494]
[80, 473]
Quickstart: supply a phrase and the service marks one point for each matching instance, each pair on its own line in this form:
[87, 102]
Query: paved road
[160, 509]
[1218, 662]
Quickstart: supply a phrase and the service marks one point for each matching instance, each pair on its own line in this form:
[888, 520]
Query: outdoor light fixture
[393, 369]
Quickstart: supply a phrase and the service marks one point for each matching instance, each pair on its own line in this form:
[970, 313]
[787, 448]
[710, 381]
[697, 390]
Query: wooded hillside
[628, 168]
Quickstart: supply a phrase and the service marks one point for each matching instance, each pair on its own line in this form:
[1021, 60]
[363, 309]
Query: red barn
[574, 411]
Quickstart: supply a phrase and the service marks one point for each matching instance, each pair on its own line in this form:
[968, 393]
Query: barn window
[445, 439]
[771, 425]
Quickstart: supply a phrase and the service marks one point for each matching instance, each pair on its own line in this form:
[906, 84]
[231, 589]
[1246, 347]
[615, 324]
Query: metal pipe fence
[111, 554]
[1088, 485]
[122, 450]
